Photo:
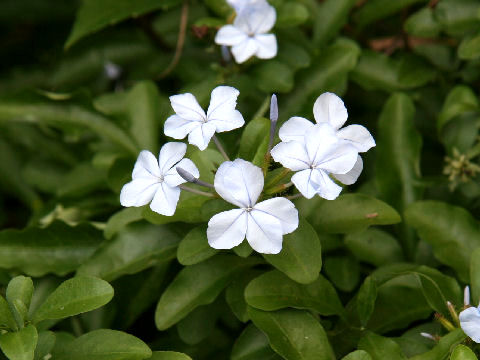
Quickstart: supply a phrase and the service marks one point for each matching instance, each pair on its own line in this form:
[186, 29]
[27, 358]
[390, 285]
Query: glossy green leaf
[20, 345]
[74, 296]
[235, 293]
[374, 246]
[375, 10]
[274, 76]
[462, 352]
[252, 344]
[199, 324]
[274, 290]
[301, 255]
[291, 13]
[19, 295]
[377, 71]
[452, 232]
[366, 297]
[358, 355]
[194, 247]
[461, 99]
[6, 317]
[105, 345]
[96, 15]
[343, 271]
[422, 23]
[293, 334]
[348, 213]
[45, 344]
[444, 346]
[469, 48]
[120, 219]
[458, 17]
[169, 355]
[332, 16]
[136, 248]
[381, 348]
[197, 285]
[254, 141]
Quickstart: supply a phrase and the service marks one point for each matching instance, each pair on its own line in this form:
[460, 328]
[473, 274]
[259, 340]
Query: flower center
[161, 178]
[248, 209]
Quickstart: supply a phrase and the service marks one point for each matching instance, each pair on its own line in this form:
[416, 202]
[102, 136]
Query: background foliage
[360, 278]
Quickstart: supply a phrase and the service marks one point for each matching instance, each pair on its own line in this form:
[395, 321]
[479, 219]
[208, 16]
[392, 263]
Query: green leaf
[358, 355]
[422, 23]
[301, 256]
[469, 48]
[348, 213]
[252, 344]
[194, 247]
[45, 344]
[120, 219]
[199, 324]
[452, 232]
[462, 352]
[375, 10]
[197, 285]
[343, 271]
[444, 346]
[105, 345]
[188, 210]
[254, 140]
[458, 17]
[58, 249]
[366, 297]
[169, 355]
[332, 15]
[19, 295]
[61, 115]
[379, 71]
[293, 334]
[274, 76]
[20, 345]
[6, 317]
[74, 296]
[137, 247]
[381, 348]
[96, 15]
[144, 108]
[374, 246]
[461, 99]
[273, 291]
[291, 14]
[475, 274]
[234, 294]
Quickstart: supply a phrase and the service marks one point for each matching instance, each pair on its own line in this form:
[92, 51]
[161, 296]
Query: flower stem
[293, 197]
[195, 191]
[278, 188]
[220, 148]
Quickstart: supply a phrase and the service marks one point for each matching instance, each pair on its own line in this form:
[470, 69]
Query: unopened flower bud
[185, 175]
[273, 109]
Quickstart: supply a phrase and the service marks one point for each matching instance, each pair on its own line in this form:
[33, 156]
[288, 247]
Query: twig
[195, 191]
[293, 197]
[220, 148]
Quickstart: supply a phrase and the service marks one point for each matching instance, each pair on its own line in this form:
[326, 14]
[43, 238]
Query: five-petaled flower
[317, 154]
[330, 109]
[248, 35]
[191, 120]
[470, 318]
[263, 224]
[158, 182]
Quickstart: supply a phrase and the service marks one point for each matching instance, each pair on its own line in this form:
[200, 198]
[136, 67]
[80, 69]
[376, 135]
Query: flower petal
[267, 46]
[264, 232]
[200, 136]
[351, 177]
[244, 50]
[329, 108]
[173, 179]
[138, 192]
[295, 128]
[340, 159]
[170, 154]
[282, 209]
[165, 200]
[291, 155]
[302, 181]
[221, 111]
[257, 18]
[470, 323]
[177, 127]
[239, 182]
[320, 141]
[230, 35]
[146, 166]
[358, 136]
[187, 107]
[227, 229]
[324, 186]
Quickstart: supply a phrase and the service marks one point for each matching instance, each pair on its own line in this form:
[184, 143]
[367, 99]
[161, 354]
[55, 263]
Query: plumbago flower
[470, 318]
[314, 156]
[248, 35]
[191, 120]
[263, 224]
[157, 182]
[330, 109]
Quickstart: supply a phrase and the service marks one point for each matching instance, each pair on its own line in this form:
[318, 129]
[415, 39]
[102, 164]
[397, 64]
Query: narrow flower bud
[428, 336]
[466, 296]
[227, 57]
[445, 323]
[273, 109]
[185, 175]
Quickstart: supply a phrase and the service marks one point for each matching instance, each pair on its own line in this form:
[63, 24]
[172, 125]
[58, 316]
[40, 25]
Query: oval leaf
[20, 345]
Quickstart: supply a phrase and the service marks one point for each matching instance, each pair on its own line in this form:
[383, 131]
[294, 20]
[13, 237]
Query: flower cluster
[315, 152]
[248, 35]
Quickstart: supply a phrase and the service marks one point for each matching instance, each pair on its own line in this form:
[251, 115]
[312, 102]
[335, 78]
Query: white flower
[239, 5]
[248, 35]
[264, 224]
[329, 108]
[314, 156]
[191, 120]
[158, 182]
[470, 322]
